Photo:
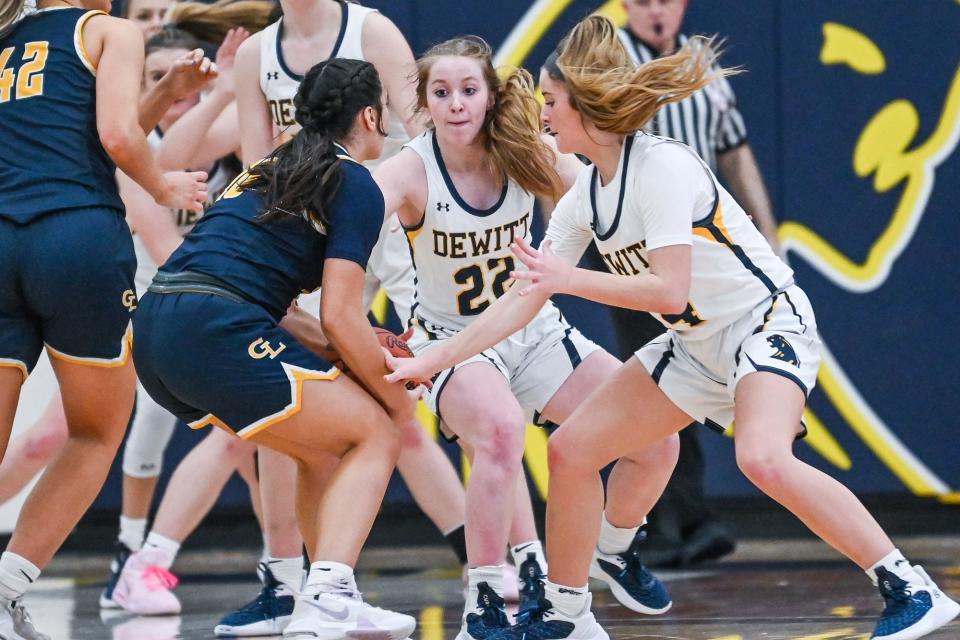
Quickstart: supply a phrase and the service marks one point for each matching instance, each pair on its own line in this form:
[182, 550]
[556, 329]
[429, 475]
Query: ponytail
[612, 93]
[211, 22]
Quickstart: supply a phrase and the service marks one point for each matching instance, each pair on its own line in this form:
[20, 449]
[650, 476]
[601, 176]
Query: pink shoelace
[157, 578]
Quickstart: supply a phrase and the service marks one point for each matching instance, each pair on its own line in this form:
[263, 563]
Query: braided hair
[302, 176]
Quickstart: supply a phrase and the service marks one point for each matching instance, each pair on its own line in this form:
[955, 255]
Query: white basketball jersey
[217, 181]
[664, 195]
[279, 84]
[461, 255]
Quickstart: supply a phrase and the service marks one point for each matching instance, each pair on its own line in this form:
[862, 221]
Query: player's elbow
[673, 305]
[116, 141]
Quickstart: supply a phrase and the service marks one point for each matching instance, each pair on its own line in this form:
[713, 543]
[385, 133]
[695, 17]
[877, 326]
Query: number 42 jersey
[51, 158]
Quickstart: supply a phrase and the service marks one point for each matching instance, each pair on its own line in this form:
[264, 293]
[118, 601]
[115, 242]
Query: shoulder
[659, 157]
[357, 181]
[250, 48]
[382, 41]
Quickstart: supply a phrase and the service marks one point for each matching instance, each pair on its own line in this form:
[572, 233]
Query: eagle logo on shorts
[783, 350]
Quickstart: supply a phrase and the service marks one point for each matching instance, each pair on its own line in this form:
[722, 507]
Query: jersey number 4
[29, 77]
[473, 276]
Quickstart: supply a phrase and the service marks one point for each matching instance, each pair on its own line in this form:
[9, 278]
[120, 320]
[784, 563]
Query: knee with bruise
[763, 467]
[500, 442]
[44, 444]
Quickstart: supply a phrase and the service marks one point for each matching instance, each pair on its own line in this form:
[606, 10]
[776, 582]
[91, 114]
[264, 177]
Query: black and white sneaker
[632, 583]
[543, 622]
[490, 617]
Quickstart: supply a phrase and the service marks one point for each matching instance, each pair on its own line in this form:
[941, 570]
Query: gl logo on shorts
[260, 349]
[129, 299]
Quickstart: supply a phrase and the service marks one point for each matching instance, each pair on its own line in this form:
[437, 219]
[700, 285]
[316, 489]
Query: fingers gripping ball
[393, 343]
[390, 341]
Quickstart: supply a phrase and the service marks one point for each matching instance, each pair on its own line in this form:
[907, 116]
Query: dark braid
[302, 176]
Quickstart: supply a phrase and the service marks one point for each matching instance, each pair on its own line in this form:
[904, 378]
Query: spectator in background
[682, 528]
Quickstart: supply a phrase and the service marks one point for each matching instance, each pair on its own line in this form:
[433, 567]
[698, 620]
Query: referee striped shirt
[708, 120]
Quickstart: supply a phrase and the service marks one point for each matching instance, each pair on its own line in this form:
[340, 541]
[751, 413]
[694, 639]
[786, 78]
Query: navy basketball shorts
[210, 360]
[67, 283]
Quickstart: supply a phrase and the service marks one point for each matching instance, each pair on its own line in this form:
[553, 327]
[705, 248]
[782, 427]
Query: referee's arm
[740, 171]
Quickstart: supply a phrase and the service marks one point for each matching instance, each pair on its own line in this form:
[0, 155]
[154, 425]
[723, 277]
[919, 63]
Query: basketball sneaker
[530, 577]
[489, 618]
[334, 612]
[122, 552]
[543, 622]
[15, 622]
[912, 610]
[632, 583]
[268, 614]
[145, 584]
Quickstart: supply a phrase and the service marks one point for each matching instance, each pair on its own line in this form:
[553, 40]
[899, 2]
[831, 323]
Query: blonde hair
[10, 10]
[618, 97]
[511, 131]
[211, 22]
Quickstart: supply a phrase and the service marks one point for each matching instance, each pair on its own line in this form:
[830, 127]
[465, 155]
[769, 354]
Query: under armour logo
[443, 206]
[273, 75]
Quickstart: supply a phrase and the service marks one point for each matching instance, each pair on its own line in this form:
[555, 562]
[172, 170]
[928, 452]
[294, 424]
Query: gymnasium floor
[774, 589]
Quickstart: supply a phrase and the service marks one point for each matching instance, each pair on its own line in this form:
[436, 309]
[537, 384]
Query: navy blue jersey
[51, 158]
[273, 262]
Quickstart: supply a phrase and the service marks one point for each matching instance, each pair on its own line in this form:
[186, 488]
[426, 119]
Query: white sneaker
[544, 621]
[15, 622]
[913, 610]
[338, 615]
[145, 584]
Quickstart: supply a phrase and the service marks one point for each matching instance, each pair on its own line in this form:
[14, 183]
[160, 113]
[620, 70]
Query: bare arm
[387, 50]
[188, 74]
[346, 326]
[119, 49]
[403, 181]
[507, 315]
[739, 169]
[206, 133]
[209, 130]
[150, 221]
[256, 126]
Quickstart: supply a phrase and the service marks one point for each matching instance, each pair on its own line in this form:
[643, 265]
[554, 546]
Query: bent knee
[763, 468]
[500, 442]
[42, 446]
[566, 453]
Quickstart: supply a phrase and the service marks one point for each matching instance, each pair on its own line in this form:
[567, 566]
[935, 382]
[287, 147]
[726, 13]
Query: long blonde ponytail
[211, 22]
[618, 97]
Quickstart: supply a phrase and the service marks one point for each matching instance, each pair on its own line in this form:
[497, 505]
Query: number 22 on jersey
[28, 78]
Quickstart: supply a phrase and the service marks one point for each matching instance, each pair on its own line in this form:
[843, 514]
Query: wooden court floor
[773, 589]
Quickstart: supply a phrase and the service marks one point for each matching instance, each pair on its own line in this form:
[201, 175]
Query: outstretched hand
[226, 55]
[190, 73]
[545, 272]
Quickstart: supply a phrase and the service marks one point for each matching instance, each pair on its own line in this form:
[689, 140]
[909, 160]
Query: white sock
[614, 539]
[895, 563]
[570, 601]
[287, 571]
[132, 531]
[157, 541]
[491, 574]
[520, 552]
[16, 575]
[325, 573]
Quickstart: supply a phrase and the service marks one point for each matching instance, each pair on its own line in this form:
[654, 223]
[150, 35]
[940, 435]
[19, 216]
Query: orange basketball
[393, 343]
